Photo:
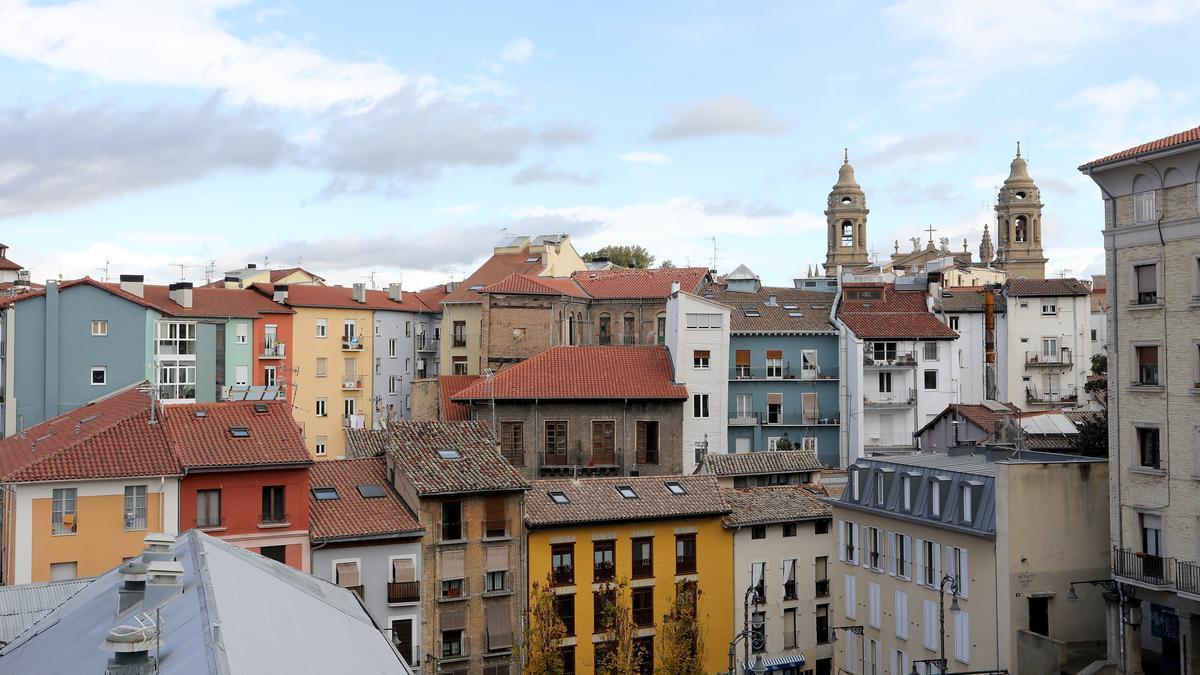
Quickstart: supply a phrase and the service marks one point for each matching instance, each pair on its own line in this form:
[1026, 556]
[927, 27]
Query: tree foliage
[543, 631]
[621, 654]
[681, 634]
[1092, 440]
[784, 443]
[633, 257]
[1100, 368]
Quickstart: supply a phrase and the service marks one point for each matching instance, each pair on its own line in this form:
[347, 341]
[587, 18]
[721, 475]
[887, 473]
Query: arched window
[1021, 232]
[628, 330]
[847, 233]
[571, 329]
[605, 335]
[847, 201]
[660, 329]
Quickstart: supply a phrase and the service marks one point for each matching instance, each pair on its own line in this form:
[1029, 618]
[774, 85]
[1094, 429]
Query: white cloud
[716, 116]
[519, 50]
[544, 172]
[641, 157]
[186, 44]
[1122, 114]
[458, 210]
[926, 148]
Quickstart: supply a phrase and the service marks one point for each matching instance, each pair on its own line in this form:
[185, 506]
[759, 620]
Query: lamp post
[1110, 586]
[953, 581]
[746, 637]
[857, 630]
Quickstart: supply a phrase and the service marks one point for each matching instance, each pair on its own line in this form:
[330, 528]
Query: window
[930, 351]
[822, 616]
[605, 330]
[956, 566]
[700, 359]
[99, 375]
[559, 497]
[241, 333]
[931, 380]
[1147, 362]
[459, 365]
[497, 581]
[758, 532]
[899, 547]
[741, 358]
[967, 514]
[564, 607]
[702, 321]
[604, 442]
[239, 432]
[660, 330]
[512, 442]
[63, 571]
[208, 508]
[885, 383]
[789, 628]
[1144, 210]
[392, 385]
[1148, 447]
[954, 323]
[322, 443]
[562, 564]
[626, 492]
[642, 599]
[848, 547]
[556, 440]
[875, 548]
[775, 364]
[847, 233]
[879, 494]
[962, 637]
[883, 351]
[822, 526]
[789, 579]
[269, 376]
[643, 557]
[935, 499]
[402, 637]
[99, 327]
[272, 504]
[62, 514]
[1021, 228]
[322, 327]
[322, 369]
[675, 487]
[789, 529]
[347, 575]
[452, 525]
[322, 409]
[1049, 309]
[391, 348]
[700, 405]
[929, 562]
[135, 507]
[459, 334]
[628, 330]
[604, 560]
[685, 554]
[1145, 279]
[647, 442]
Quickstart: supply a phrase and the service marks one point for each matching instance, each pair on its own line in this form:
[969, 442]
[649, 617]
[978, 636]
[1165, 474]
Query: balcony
[605, 571]
[459, 650]
[1051, 396]
[643, 568]
[403, 591]
[780, 372]
[685, 564]
[563, 575]
[885, 361]
[1187, 578]
[577, 461]
[494, 529]
[351, 345]
[821, 588]
[1037, 359]
[643, 617]
[425, 344]
[629, 339]
[276, 350]
[743, 418]
[352, 384]
[1143, 569]
[898, 399]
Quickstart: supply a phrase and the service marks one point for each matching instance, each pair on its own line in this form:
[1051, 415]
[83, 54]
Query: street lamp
[953, 581]
[857, 630]
[1107, 584]
[747, 636]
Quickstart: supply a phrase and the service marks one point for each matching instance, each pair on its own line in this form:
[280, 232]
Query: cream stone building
[963, 523]
[1152, 250]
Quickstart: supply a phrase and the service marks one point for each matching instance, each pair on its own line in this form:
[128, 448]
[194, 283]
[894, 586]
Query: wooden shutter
[497, 558]
[774, 353]
[742, 357]
[403, 569]
[700, 353]
[347, 574]
[775, 398]
[811, 408]
[453, 619]
[495, 509]
[499, 626]
[453, 565]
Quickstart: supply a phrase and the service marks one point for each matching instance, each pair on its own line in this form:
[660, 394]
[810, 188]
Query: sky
[399, 141]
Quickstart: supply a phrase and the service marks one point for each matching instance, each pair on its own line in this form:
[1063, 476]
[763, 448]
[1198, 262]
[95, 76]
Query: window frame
[103, 372]
[99, 327]
[1145, 207]
[64, 507]
[131, 522]
[1136, 379]
[1136, 298]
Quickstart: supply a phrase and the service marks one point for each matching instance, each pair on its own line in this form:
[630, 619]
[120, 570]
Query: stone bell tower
[1019, 224]
[846, 219]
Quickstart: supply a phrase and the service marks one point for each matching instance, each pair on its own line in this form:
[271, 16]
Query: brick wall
[425, 400]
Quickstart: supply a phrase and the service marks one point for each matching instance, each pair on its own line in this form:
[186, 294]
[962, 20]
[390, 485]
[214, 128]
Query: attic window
[476, 287]
[239, 432]
[371, 491]
[795, 315]
[325, 493]
[752, 312]
[817, 306]
[199, 413]
[449, 453]
[559, 497]
[789, 307]
[675, 487]
[260, 407]
[627, 492]
[533, 259]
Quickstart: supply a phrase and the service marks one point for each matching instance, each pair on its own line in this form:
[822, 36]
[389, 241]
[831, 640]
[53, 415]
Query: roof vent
[396, 292]
[164, 579]
[134, 284]
[674, 287]
[131, 648]
[133, 585]
[359, 293]
[772, 301]
[159, 547]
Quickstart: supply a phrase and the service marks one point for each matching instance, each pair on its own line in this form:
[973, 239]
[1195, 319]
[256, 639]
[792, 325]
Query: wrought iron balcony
[275, 350]
[1187, 578]
[897, 399]
[779, 372]
[1150, 570]
[1036, 359]
[425, 344]
[890, 361]
[1064, 395]
[643, 568]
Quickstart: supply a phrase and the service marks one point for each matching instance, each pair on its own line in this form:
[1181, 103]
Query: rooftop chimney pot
[134, 284]
[395, 292]
[359, 293]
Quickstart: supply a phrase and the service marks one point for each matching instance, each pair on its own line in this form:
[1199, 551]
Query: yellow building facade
[652, 552]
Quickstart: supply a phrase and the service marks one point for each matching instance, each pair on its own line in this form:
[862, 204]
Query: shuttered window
[742, 357]
[347, 574]
[403, 569]
[812, 409]
[452, 566]
[499, 627]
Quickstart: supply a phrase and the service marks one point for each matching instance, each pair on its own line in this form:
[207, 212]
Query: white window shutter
[907, 543]
[874, 600]
[962, 637]
[892, 554]
[937, 563]
[965, 572]
[902, 615]
[949, 561]
[857, 553]
[919, 574]
[929, 623]
[849, 596]
[896, 665]
[842, 540]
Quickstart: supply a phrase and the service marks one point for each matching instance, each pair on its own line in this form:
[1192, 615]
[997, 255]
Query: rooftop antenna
[267, 261]
[300, 261]
[104, 270]
[1062, 273]
[714, 259]
[209, 270]
[371, 278]
[183, 267]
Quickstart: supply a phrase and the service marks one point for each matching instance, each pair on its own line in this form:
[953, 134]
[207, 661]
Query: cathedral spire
[846, 221]
[986, 250]
[1019, 223]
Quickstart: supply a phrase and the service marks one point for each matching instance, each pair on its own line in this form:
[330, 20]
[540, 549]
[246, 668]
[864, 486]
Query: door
[808, 364]
[1039, 616]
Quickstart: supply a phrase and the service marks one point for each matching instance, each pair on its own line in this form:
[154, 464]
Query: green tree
[1092, 440]
[784, 443]
[620, 654]
[1100, 368]
[633, 257]
[666, 265]
[543, 632]
[681, 634]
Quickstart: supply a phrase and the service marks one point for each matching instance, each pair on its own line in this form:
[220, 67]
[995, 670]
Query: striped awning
[781, 662]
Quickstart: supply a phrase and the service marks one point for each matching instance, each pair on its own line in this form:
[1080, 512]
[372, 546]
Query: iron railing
[1149, 569]
[1187, 577]
[897, 360]
[273, 519]
[425, 344]
[1062, 359]
[685, 564]
[563, 575]
[821, 588]
[892, 399]
[643, 568]
[1064, 395]
[275, 350]
[780, 372]
[643, 617]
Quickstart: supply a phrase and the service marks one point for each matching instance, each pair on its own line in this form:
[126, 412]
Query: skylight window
[627, 492]
[199, 413]
[260, 407]
[239, 432]
[533, 259]
[789, 307]
[325, 493]
[752, 312]
[449, 453]
[795, 315]
[559, 497]
[371, 491]
[675, 487]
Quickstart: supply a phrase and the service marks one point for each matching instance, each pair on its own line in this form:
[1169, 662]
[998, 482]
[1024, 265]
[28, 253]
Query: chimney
[164, 579]
[772, 301]
[134, 284]
[395, 293]
[159, 547]
[181, 293]
[3, 251]
[359, 293]
[131, 647]
[674, 287]
[281, 293]
[251, 266]
[22, 278]
[133, 584]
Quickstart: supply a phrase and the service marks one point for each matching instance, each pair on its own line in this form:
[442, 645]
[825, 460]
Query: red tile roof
[775, 504]
[495, 269]
[641, 283]
[596, 500]
[900, 315]
[583, 373]
[64, 285]
[108, 438]
[341, 297]
[525, 284]
[352, 516]
[812, 306]
[8, 265]
[1044, 287]
[1181, 138]
[448, 386]
[276, 275]
[432, 297]
[206, 442]
[211, 301]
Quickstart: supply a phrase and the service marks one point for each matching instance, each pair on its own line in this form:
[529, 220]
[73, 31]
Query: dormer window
[879, 489]
[968, 514]
[935, 499]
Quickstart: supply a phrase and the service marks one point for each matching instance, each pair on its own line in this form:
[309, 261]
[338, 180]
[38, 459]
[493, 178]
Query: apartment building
[469, 501]
[698, 343]
[547, 255]
[783, 547]
[364, 538]
[900, 361]
[965, 310]
[251, 274]
[588, 411]
[1048, 342]
[783, 373]
[1152, 261]
[762, 469]
[661, 535]
[938, 556]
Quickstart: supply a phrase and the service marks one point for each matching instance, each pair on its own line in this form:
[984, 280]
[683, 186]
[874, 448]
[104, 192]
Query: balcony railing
[494, 529]
[1065, 395]
[780, 372]
[352, 384]
[1148, 569]
[685, 564]
[206, 523]
[276, 350]
[643, 568]
[744, 418]
[789, 590]
[643, 617]
[351, 345]
[821, 588]
[1036, 359]
[404, 591]
[897, 360]
[1187, 577]
[604, 571]
[425, 344]
[629, 339]
[454, 651]
[892, 399]
[583, 458]
[563, 575]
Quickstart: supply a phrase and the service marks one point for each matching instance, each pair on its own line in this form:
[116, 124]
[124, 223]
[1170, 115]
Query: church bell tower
[1019, 224]
[846, 223]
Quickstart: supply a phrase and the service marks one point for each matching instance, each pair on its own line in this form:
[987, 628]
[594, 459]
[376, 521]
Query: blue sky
[403, 138]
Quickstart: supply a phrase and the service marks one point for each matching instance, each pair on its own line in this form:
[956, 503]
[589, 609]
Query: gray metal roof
[238, 613]
[21, 606]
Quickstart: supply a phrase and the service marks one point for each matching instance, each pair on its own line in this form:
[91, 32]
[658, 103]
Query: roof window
[675, 487]
[449, 453]
[789, 307]
[533, 258]
[198, 413]
[796, 315]
[476, 287]
[260, 408]
[627, 492]
[751, 312]
[239, 432]
[325, 493]
[559, 497]
[371, 491]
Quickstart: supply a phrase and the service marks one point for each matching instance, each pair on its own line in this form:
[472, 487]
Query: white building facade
[1048, 342]
[697, 337]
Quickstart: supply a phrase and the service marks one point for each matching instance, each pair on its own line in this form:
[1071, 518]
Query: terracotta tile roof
[413, 447]
[640, 283]
[109, 438]
[1044, 287]
[778, 318]
[432, 297]
[775, 504]
[448, 386]
[495, 269]
[596, 500]
[1164, 143]
[352, 516]
[211, 301]
[341, 297]
[207, 442]
[980, 415]
[900, 315]
[967, 299]
[64, 285]
[755, 463]
[583, 373]
[9, 266]
[362, 443]
[526, 284]
[276, 275]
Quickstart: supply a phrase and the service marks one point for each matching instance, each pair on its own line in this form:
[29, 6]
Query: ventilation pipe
[160, 547]
[131, 650]
[133, 584]
[164, 580]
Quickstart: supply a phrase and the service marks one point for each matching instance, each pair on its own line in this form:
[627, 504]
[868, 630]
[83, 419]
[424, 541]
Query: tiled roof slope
[212, 301]
[1189, 136]
[276, 275]
[596, 500]
[8, 265]
[968, 299]
[206, 442]
[755, 463]
[775, 504]
[778, 318]
[414, 445]
[494, 269]
[432, 297]
[448, 386]
[605, 372]
[979, 415]
[617, 284]
[351, 515]
[899, 315]
[64, 285]
[108, 438]
[341, 297]
[526, 284]
[1044, 287]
